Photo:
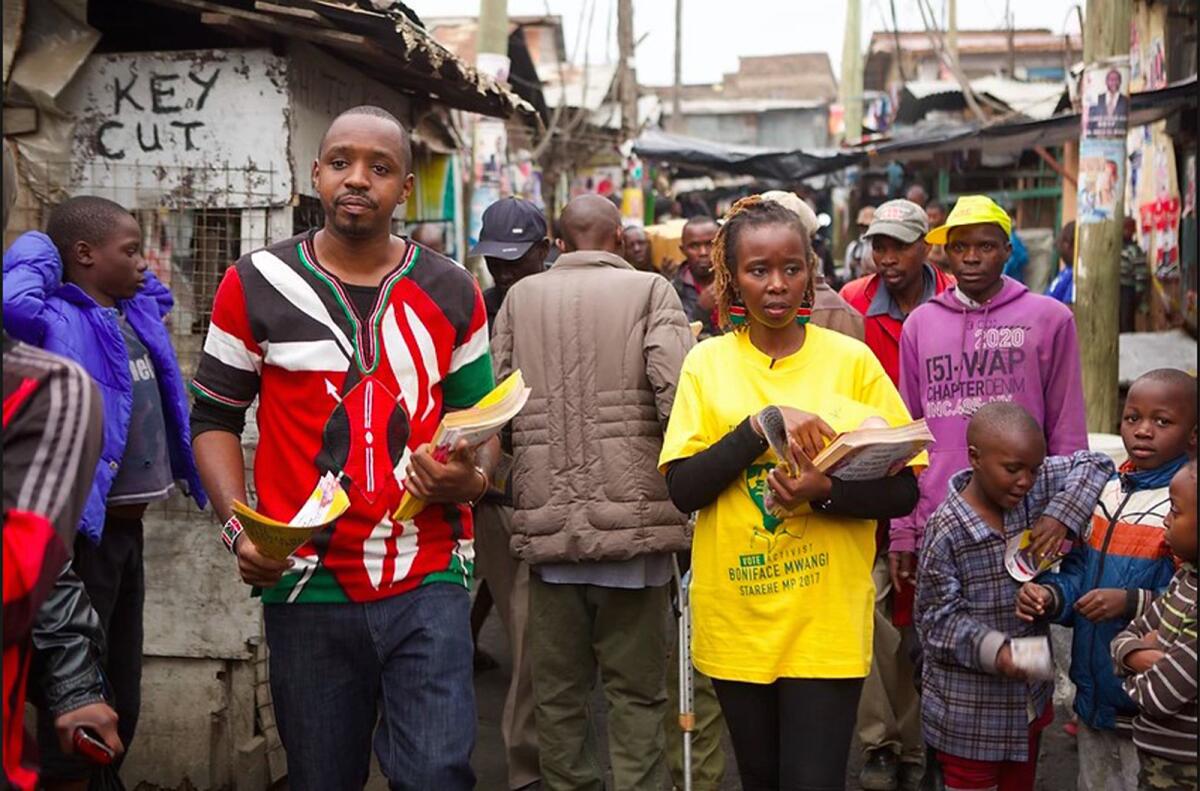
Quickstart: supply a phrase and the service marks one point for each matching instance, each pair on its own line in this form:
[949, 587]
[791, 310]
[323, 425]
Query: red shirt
[882, 330]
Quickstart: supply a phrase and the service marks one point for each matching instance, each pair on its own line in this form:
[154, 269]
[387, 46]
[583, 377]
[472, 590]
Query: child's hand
[1142, 660]
[1102, 604]
[1151, 640]
[1047, 536]
[1032, 601]
[1005, 666]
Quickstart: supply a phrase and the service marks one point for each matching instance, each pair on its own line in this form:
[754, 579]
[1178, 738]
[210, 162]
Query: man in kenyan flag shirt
[355, 342]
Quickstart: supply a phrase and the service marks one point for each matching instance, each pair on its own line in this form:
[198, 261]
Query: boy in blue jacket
[82, 290]
[1123, 563]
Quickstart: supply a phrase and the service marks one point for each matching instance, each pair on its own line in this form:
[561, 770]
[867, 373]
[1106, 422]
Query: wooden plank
[20, 120]
[284, 10]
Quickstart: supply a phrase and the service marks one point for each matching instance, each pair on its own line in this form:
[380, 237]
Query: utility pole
[489, 148]
[851, 88]
[628, 76]
[1011, 25]
[677, 91]
[1097, 267]
[493, 27]
[952, 29]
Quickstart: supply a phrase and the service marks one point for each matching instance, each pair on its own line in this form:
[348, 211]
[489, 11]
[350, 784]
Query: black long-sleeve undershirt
[697, 481]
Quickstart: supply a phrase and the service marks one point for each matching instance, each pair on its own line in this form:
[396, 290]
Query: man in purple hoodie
[986, 339]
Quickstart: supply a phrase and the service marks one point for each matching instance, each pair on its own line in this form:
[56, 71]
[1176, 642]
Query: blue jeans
[403, 662]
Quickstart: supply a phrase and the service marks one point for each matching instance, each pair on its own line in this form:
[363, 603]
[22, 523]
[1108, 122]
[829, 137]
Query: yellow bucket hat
[971, 210]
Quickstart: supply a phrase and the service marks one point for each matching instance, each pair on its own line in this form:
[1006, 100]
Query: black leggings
[793, 734]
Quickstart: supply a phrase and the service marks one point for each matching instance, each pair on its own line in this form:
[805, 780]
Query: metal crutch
[687, 714]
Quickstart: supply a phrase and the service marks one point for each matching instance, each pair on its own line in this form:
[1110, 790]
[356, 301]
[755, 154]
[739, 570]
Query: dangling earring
[737, 311]
[804, 312]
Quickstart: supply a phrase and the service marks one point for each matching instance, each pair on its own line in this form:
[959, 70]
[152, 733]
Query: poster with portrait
[1101, 179]
[1106, 99]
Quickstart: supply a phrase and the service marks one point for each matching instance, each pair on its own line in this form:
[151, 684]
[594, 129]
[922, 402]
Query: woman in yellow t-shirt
[781, 566]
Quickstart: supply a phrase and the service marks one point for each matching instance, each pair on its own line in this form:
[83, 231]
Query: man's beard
[355, 227]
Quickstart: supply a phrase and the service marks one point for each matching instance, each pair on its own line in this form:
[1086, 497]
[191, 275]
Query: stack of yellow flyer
[476, 425]
[869, 453]
[279, 539]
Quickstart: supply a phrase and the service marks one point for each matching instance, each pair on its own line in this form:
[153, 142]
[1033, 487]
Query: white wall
[170, 126]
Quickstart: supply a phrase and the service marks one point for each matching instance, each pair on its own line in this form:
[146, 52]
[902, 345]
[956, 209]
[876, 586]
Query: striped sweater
[1166, 693]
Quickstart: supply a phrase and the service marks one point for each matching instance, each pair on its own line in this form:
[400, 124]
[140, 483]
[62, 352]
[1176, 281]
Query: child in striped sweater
[1158, 654]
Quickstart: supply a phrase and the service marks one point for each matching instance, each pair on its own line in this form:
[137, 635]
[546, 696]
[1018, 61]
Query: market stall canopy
[923, 140]
[660, 146]
[1032, 100]
[386, 43]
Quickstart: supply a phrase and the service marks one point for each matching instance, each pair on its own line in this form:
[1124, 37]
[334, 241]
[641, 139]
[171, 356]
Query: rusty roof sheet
[977, 41]
[385, 43]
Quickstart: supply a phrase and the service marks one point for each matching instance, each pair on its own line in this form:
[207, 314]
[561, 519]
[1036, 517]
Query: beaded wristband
[230, 532]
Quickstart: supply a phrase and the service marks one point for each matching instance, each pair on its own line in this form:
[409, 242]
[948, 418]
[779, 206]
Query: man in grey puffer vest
[601, 346]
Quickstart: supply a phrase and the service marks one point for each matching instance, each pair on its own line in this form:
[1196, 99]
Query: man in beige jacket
[601, 345]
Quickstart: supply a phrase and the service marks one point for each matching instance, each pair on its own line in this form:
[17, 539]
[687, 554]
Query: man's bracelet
[230, 532]
[487, 485]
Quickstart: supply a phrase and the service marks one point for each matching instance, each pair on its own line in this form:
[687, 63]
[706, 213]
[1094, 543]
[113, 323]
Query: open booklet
[277, 539]
[476, 425]
[868, 453]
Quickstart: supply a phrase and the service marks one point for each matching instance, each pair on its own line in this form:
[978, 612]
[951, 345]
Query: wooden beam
[235, 27]
[285, 10]
[1054, 165]
[20, 120]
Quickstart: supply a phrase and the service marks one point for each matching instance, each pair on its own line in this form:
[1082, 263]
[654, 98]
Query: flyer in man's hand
[475, 425]
[277, 539]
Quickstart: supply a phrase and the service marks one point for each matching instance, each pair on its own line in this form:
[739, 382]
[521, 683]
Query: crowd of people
[821, 608]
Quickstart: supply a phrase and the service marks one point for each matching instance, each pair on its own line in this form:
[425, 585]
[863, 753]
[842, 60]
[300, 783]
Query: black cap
[510, 227]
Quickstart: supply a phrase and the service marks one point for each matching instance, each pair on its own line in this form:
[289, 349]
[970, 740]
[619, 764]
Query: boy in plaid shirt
[980, 712]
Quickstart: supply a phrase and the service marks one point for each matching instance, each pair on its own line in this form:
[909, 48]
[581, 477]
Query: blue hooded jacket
[42, 310]
[1125, 549]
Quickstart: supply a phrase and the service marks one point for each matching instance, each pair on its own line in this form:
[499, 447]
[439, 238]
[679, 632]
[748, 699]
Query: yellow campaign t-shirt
[778, 598]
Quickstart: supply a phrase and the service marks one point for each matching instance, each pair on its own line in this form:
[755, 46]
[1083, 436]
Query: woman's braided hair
[751, 211]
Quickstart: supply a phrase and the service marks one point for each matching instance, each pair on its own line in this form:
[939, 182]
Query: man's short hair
[86, 218]
[372, 111]
[697, 221]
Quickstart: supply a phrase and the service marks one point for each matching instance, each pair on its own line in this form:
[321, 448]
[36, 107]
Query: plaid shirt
[966, 610]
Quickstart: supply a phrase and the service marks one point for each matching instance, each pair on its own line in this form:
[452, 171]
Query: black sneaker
[880, 771]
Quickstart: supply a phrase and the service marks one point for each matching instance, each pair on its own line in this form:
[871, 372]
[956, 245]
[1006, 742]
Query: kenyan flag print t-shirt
[351, 394]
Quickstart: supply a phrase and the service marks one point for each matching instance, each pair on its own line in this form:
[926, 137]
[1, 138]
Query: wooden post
[1098, 260]
[493, 27]
[625, 70]
[952, 28]
[851, 88]
[677, 90]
